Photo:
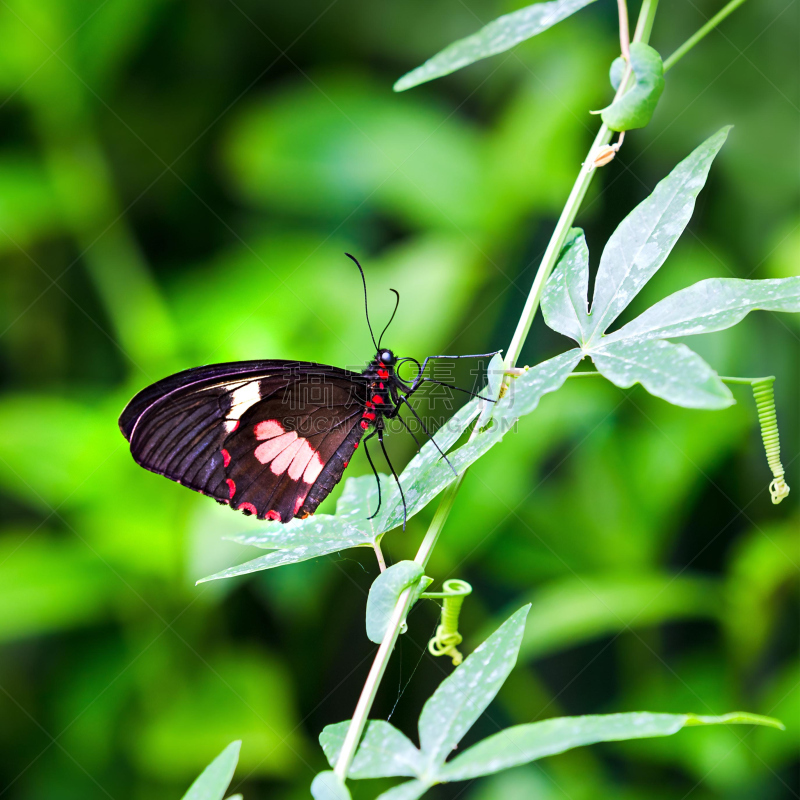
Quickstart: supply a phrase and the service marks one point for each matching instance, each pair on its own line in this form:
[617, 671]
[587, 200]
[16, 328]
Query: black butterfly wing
[187, 427]
[295, 441]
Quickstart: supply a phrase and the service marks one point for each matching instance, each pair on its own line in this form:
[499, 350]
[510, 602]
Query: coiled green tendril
[767, 418]
[447, 638]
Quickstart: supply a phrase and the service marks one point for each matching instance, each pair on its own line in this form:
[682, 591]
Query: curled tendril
[447, 638]
[767, 418]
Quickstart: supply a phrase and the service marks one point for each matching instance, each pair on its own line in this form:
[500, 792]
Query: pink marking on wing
[268, 429]
[231, 487]
[274, 515]
[298, 504]
[247, 507]
[272, 447]
[281, 462]
[300, 460]
[313, 469]
[226, 457]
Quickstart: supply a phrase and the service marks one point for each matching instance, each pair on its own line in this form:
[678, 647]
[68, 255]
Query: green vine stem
[701, 33]
[365, 701]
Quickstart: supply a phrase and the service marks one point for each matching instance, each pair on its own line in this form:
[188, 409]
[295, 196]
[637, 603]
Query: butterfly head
[386, 358]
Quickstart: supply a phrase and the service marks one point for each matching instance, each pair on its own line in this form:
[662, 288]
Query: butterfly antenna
[396, 304]
[366, 306]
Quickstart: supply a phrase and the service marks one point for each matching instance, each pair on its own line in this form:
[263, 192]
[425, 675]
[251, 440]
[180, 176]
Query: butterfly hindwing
[199, 428]
[286, 443]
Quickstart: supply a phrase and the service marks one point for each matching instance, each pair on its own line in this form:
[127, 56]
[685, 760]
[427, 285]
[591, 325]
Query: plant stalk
[701, 33]
[359, 720]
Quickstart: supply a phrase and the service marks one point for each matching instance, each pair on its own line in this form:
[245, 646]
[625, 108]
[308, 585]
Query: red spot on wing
[368, 415]
[377, 399]
[231, 487]
[300, 460]
[364, 424]
[268, 429]
[226, 458]
[274, 446]
[345, 464]
[313, 469]
[281, 463]
[248, 508]
[355, 446]
[273, 515]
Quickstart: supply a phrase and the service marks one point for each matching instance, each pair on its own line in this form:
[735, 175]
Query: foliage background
[178, 182]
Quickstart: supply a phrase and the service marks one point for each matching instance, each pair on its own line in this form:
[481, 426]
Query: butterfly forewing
[263, 436]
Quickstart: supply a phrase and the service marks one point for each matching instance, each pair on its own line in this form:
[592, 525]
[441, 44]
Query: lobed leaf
[644, 239]
[462, 697]
[670, 371]
[496, 37]
[384, 751]
[710, 305]
[637, 353]
[636, 106]
[216, 777]
[522, 744]
[383, 595]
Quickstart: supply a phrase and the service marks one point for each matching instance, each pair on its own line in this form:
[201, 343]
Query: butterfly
[270, 438]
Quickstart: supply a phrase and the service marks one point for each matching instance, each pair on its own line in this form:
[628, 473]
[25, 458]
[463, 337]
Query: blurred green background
[178, 182]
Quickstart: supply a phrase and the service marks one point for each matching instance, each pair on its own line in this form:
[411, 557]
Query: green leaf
[635, 108]
[711, 305]
[644, 239]
[384, 751]
[461, 698]
[524, 743]
[216, 777]
[617, 71]
[383, 595]
[637, 352]
[329, 786]
[670, 371]
[565, 298]
[496, 37]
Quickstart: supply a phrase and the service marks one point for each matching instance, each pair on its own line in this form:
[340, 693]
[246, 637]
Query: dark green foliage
[192, 190]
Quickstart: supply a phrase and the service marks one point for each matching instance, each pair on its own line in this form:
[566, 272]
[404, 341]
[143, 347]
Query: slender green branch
[644, 25]
[624, 29]
[365, 701]
[701, 34]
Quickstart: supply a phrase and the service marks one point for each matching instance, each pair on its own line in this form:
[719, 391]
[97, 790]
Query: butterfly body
[269, 438]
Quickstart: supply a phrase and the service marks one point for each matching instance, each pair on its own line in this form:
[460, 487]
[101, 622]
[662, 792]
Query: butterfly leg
[394, 474]
[400, 398]
[374, 472]
[395, 414]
